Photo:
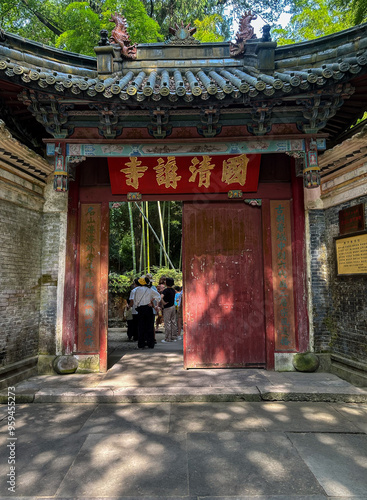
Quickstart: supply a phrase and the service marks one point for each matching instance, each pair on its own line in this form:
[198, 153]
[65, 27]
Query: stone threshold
[190, 394]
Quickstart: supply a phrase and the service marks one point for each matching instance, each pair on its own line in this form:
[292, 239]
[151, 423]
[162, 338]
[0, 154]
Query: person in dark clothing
[169, 311]
[143, 302]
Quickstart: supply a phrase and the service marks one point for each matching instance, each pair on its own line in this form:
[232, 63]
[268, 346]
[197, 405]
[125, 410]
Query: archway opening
[145, 238]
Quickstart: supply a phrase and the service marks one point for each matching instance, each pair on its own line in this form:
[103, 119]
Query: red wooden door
[223, 285]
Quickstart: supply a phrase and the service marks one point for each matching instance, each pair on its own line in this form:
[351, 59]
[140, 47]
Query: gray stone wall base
[16, 372]
[353, 372]
[45, 364]
[283, 362]
[325, 362]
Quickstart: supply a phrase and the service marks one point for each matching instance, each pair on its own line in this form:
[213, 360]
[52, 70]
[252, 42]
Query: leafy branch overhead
[75, 25]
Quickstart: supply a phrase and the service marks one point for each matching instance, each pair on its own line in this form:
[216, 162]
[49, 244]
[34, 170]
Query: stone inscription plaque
[281, 237]
[89, 278]
[351, 254]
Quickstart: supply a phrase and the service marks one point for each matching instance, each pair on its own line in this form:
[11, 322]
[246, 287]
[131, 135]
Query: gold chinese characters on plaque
[351, 254]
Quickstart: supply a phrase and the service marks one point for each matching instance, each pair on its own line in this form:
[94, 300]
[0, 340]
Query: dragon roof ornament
[244, 33]
[120, 36]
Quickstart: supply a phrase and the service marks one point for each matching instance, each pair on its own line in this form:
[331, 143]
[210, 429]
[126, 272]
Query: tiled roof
[194, 84]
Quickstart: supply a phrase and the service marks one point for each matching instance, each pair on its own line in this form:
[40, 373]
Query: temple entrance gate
[243, 266]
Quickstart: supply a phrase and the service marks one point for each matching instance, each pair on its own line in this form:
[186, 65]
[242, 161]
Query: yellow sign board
[351, 254]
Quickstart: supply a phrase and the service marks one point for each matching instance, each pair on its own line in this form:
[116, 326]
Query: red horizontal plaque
[184, 174]
[351, 219]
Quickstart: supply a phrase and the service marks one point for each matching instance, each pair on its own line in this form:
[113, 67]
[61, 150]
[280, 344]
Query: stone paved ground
[148, 429]
[189, 451]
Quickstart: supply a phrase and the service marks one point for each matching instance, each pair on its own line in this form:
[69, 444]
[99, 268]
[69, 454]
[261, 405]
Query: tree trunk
[43, 19]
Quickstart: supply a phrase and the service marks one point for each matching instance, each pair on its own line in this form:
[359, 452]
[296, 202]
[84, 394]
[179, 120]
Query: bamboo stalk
[132, 236]
[148, 254]
[162, 237]
[168, 227]
[155, 235]
[180, 260]
[144, 260]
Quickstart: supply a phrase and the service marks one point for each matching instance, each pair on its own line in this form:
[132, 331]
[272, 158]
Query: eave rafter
[60, 117]
[16, 157]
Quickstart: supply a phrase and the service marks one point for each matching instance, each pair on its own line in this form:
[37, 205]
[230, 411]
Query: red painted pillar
[103, 296]
[71, 272]
[268, 285]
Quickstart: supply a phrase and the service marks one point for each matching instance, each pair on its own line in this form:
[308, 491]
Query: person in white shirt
[132, 329]
[143, 303]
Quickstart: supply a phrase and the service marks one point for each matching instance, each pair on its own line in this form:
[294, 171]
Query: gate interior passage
[223, 292]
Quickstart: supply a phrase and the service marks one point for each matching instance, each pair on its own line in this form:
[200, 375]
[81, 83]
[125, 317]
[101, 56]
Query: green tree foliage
[159, 272]
[312, 19]
[209, 29]
[32, 19]
[169, 12]
[120, 284]
[356, 8]
[82, 27]
[121, 260]
[75, 25]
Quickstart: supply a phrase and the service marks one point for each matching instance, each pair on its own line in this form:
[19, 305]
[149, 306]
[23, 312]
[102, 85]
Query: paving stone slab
[301, 417]
[51, 419]
[55, 381]
[247, 463]
[302, 378]
[41, 463]
[214, 417]
[355, 413]
[133, 464]
[127, 418]
[338, 461]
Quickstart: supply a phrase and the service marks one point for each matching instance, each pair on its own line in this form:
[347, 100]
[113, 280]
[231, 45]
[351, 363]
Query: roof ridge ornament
[244, 33]
[182, 35]
[120, 36]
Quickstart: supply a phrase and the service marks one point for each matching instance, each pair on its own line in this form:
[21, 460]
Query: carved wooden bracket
[317, 111]
[49, 111]
[159, 127]
[109, 126]
[209, 119]
[261, 117]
